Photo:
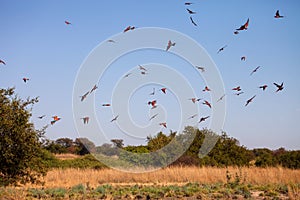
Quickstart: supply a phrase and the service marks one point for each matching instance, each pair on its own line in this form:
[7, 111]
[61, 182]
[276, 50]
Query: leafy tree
[20, 143]
[85, 146]
[117, 143]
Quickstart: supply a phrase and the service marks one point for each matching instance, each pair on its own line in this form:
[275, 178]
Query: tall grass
[171, 175]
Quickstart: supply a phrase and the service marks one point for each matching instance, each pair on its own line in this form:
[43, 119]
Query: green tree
[20, 143]
[85, 146]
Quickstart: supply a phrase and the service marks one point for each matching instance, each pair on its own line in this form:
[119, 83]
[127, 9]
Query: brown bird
[128, 28]
[263, 87]
[255, 70]
[83, 97]
[2, 62]
[170, 44]
[206, 89]
[194, 99]
[207, 103]
[94, 88]
[200, 68]
[277, 15]
[164, 90]
[41, 117]
[238, 88]
[190, 11]
[222, 49]
[221, 98]
[279, 87]
[244, 27]
[68, 23]
[106, 104]
[115, 118]
[25, 79]
[243, 58]
[152, 103]
[250, 100]
[85, 120]
[193, 22]
[164, 124]
[202, 119]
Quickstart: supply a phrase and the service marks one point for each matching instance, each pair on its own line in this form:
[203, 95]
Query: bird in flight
[85, 120]
[142, 68]
[152, 103]
[164, 124]
[194, 99]
[277, 15]
[221, 98]
[112, 41]
[94, 88]
[188, 3]
[263, 87]
[202, 119]
[106, 104]
[193, 22]
[200, 68]
[244, 27]
[164, 90]
[41, 117]
[2, 62]
[239, 93]
[55, 119]
[243, 58]
[152, 117]
[153, 92]
[193, 116]
[207, 103]
[279, 87]
[25, 79]
[170, 44]
[126, 76]
[238, 88]
[236, 32]
[255, 70]
[206, 89]
[190, 11]
[68, 23]
[222, 49]
[128, 28]
[250, 100]
[83, 97]
[115, 118]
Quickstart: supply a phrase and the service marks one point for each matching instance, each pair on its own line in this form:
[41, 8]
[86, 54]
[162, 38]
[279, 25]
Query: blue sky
[36, 43]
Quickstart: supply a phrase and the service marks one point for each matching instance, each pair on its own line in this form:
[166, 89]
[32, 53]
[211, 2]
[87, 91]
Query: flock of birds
[144, 71]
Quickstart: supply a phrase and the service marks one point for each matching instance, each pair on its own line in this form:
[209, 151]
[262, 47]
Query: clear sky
[36, 43]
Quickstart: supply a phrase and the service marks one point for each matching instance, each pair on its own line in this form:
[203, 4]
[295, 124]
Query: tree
[20, 143]
[117, 143]
[85, 146]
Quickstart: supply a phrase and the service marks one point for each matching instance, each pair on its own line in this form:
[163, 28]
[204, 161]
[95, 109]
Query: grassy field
[168, 183]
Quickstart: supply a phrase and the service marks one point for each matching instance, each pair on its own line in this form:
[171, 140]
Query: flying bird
[94, 88]
[222, 49]
[277, 15]
[202, 119]
[250, 100]
[112, 41]
[221, 98]
[200, 68]
[68, 23]
[152, 117]
[263, 87]
[115, 118]
[190, 11]
[188, 3]
[152, 103]
[25, 79]
[128, 28]
[255, 70]
[170, 44]
[164, 90]
[194, 99]
[239, 93]
[2, 62]
[153, 92]
[236, 32]
[41, 117]
[279, 87]
[85, 120]
[55, 119]
[244, 27]
[164, 124]
[193, 22]
[83, 97]
[193, 116]
[126, 76]
[206, 89]
[207, 103]
[238, 88]
[106, 104]
[243, 58]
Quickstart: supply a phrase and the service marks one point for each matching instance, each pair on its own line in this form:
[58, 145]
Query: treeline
[226, 152]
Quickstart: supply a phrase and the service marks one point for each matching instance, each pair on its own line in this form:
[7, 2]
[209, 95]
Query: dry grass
[172, 175]
[66, 156]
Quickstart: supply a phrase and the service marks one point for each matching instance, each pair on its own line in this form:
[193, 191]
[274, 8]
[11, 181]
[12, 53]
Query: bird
[221, 98]
[194, 99]
[243, 58]
[190, 11]
[193, 22]
[68, 23]
[207, 103]
[239, 93]
[200, 68]
[236, 32]
[153, 92]
[126, 75]
[164, 124]
[94, 88]
[112, 41]
[55, 119]
[115, 118]
[206, 89]
[202, 119]
[193, 116]
[188, 3]
[250, 100]
[277, 15]
[41, 117]
[244, 27]
[2, 62]
[85, 120]
[25, 79]
[152, 117]
[279, 87]
[222, 49]
[106, 104]
[142, 68]
[164, 90]
[238, 88]
[263, 87]
[83, 97]
[170, 44]
[255, 70]
[128, 28]
[152, 103]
